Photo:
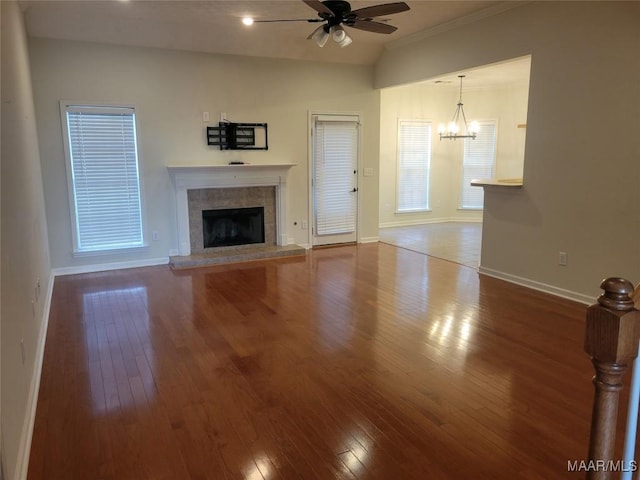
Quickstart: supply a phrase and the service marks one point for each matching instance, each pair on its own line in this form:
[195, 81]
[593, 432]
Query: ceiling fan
[336, 13]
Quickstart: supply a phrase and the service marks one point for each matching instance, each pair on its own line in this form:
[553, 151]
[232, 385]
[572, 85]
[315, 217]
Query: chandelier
[453, 130]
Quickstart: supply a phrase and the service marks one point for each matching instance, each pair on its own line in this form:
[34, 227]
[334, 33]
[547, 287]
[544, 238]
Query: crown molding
[456, 23]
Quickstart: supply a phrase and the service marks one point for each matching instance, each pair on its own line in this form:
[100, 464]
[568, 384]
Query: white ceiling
[215, 26]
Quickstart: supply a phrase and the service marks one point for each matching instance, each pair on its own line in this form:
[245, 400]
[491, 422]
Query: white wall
[24, 252]
[581, 189]
[507, 104]
[171, 89]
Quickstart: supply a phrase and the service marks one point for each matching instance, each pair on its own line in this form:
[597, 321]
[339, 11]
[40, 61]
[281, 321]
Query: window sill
[404, 212]
[470, 209]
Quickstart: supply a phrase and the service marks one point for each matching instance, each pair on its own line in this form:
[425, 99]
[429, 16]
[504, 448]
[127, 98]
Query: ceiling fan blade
[379, 10]
[375, 27]
[319, 7]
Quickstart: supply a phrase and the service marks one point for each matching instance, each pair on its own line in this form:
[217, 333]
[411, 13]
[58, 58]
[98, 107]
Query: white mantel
[192, 177]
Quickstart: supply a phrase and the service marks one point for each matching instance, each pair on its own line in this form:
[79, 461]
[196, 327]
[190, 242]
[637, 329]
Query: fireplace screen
[233, 226]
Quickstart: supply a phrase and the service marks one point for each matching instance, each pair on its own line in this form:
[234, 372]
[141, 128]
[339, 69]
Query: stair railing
[612, 341]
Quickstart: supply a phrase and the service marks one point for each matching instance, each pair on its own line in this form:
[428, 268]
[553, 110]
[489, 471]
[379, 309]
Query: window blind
[478, 160]
[335, 158]
[414, 159]
[105, 179]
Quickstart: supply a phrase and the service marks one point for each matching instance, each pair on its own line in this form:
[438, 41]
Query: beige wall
[581, 189]
[24, 252]
[171, 90]
[507, 104]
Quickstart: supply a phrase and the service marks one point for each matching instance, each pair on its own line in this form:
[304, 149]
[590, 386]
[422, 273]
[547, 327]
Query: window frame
[422, 122]
[77, 251]
[483, 123]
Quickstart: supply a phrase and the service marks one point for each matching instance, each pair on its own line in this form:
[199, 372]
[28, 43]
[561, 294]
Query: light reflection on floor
[107, 314]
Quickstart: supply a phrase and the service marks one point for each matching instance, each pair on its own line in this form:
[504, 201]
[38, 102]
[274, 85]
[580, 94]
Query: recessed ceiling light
[247, 21]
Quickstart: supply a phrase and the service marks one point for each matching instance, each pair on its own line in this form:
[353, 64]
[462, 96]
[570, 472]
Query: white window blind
[335, 158]
[103, 159]
[414, 160]
[478, 160]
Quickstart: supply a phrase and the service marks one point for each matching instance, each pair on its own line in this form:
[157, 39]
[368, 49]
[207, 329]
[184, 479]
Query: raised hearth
[235, 255]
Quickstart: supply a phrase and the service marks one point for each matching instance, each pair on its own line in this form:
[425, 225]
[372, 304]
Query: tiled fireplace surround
[230, 197]
[229, 186]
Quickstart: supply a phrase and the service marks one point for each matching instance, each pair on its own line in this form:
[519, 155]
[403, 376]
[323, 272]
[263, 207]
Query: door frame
[310, 126]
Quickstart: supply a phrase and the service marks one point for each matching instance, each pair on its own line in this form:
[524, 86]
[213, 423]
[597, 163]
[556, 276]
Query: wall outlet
[155, 236]
[563, 258]
[205, 117]
[305, 225]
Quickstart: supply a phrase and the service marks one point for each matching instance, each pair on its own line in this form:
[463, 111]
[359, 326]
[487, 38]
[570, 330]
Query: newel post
[611, 340]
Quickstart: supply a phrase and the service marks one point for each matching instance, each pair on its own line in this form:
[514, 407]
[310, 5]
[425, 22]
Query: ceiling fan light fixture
[320, 36]
[247, 21]
[340, 36]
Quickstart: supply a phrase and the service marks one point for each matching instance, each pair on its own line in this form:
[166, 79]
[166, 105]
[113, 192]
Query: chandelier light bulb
[474, 127]
[453, 128]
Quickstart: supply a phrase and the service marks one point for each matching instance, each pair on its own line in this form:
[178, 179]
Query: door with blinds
[334, 182]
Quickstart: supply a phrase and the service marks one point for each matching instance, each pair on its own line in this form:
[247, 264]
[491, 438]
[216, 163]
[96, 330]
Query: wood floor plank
[355, 362]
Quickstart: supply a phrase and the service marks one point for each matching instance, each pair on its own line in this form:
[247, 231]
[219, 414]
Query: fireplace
[229, 186]
[232, 226]
[224, 207]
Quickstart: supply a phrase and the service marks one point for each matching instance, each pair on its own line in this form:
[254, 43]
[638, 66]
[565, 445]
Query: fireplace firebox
[233, 226]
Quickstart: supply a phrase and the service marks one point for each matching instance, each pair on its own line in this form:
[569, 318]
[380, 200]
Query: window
[478, 160]
[104, 179]
[414, 159]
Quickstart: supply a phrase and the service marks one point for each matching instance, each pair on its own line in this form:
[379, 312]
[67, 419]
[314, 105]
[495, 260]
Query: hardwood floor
[356, 362]
[459, 242]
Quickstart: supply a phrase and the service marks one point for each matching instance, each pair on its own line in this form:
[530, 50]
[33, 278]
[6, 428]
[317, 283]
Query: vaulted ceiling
[215, 25]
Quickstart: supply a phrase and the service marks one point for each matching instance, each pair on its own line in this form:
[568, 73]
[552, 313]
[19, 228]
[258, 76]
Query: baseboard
[102, 267]
[306, 246]
[411, 222]
[535, 285]
[34, 388]
[368, 239]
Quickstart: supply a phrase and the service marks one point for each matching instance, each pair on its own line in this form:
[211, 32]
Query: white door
[335, 179]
